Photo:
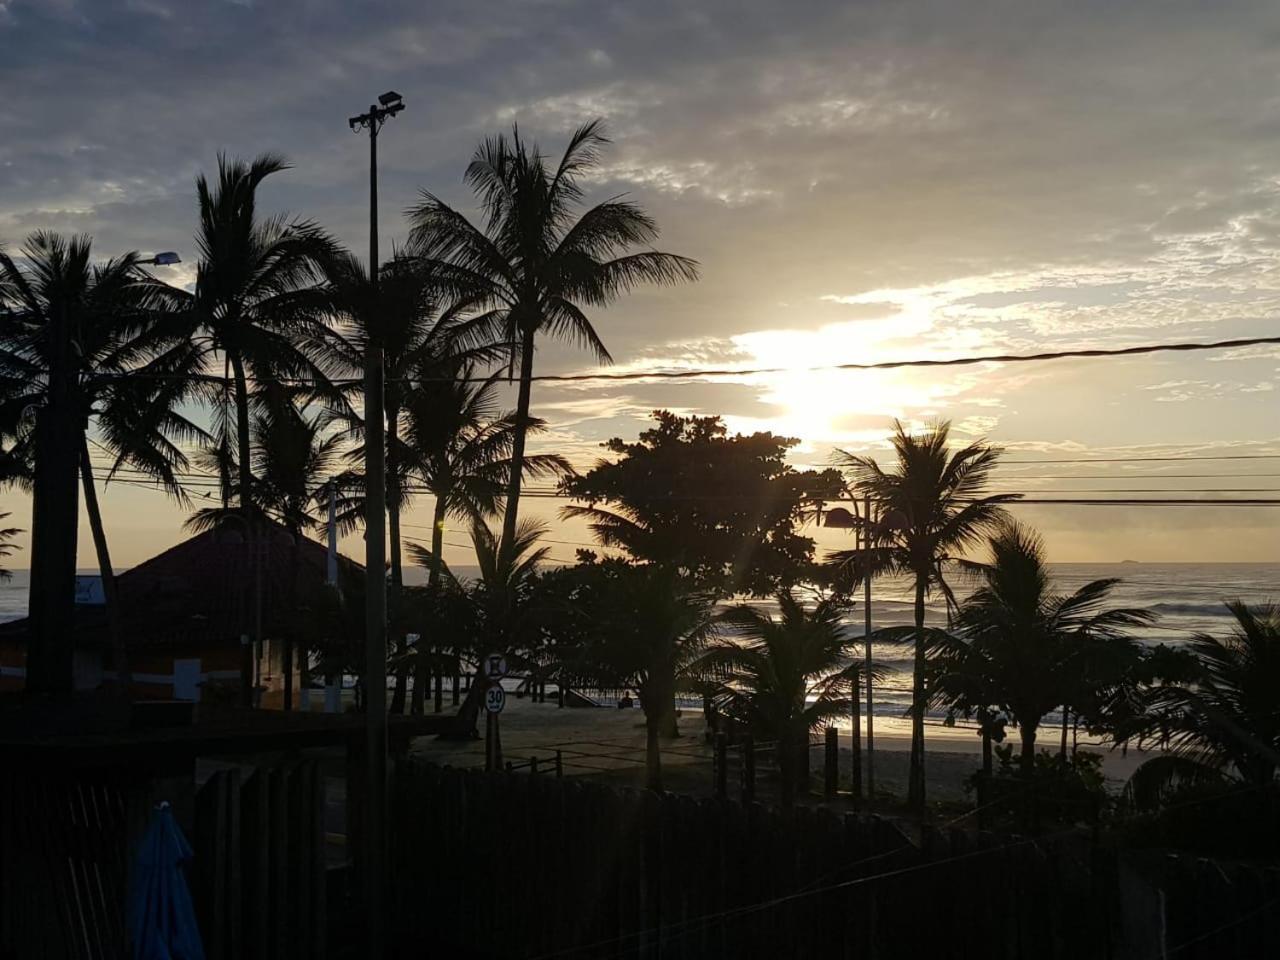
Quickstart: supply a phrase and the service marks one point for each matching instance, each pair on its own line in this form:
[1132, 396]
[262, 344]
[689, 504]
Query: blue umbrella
[162, 920]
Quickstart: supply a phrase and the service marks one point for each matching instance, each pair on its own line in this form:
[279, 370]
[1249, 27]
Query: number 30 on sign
[495, 698]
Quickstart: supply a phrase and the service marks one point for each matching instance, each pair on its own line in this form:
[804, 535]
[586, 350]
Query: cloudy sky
[860, 181]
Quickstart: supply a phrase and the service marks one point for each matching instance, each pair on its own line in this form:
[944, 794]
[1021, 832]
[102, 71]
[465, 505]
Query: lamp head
[388, 98]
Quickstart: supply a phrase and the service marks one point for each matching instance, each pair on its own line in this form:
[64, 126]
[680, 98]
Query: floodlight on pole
[375, 674]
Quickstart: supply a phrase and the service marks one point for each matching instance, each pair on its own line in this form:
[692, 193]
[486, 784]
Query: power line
[1078, 501]
[1177, 459]
[708, 372]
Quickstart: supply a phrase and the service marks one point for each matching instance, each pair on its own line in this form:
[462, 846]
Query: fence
[257, 876]
[539, 867]
[259, 873]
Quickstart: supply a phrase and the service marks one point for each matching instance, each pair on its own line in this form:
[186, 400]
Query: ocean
[1187, 597]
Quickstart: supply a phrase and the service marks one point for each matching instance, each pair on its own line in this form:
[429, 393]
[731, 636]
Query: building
[190, 615]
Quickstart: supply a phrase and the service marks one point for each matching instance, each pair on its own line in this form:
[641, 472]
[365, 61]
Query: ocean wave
[1216, 609]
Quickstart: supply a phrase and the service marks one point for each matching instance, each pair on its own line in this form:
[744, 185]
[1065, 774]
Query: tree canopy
[726, 510]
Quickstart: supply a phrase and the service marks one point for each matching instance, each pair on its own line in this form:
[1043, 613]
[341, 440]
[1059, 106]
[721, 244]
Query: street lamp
[375, 559]
[166, 259]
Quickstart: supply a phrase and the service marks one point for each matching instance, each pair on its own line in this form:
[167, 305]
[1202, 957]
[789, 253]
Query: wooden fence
[257, 876]
[502, 865]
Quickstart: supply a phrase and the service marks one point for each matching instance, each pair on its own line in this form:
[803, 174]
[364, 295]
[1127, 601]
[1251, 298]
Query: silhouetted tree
[642, 625]
[933, 505]
[540, 266]
[723, 510]
[253, 307]
[110, 329]
[1030, 649]
[458, 445]
[6, 545]
[1224, 722]
[782, 677]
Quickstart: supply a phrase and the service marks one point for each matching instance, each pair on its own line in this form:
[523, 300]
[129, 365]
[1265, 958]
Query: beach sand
[608, 745]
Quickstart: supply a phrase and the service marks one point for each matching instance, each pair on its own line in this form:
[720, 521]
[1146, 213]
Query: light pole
[375, 559]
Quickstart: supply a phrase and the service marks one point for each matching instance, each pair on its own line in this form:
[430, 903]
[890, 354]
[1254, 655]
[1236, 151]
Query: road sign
[495, 666]
[495, 698]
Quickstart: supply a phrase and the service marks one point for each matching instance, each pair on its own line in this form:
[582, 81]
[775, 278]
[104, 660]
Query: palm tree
[458, 445]
[645, 627]
[1031, 649]
[1224, 724]
[783, 677]
[254, 305]
[934, 504]
[6, 545]
[295, 456]
[499, 597]
[128, 374]
[418, 316]
[537, 265]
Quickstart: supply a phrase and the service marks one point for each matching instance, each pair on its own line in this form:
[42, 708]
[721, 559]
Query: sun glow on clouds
[823, 407]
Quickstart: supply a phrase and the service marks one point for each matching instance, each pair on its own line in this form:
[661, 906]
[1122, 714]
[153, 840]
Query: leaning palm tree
[458, 445]
[934, 505]
[6, 545]
[1028, 649]
[128, 376]
[254, 309]
[782, 677]
[537, 264]
[1224, 724]
[499, 598]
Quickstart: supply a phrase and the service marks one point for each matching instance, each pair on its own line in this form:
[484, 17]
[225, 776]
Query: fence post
[721, 766]
[533, 764]
[560, 694]
[748, 769]
[559, 766]
[832, 763]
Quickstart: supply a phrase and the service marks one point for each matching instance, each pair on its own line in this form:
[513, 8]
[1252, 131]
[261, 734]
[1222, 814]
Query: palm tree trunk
[517, 446]
[916, 781]
[1028, 749]
[395, 588]
[422, 669]
[668, 724]
[244, 449]
[787, 767]
[986, 753]
[124, 676]
[1066, 722]
[437, 540]
[855, 772]
[652, 755]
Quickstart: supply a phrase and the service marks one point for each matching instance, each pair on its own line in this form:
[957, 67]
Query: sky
[859, 181]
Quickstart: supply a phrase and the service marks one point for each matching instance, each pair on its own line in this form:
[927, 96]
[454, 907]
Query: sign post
[495, 698]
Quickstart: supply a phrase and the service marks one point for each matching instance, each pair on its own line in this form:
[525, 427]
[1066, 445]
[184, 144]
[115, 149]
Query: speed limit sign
[495, 698]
